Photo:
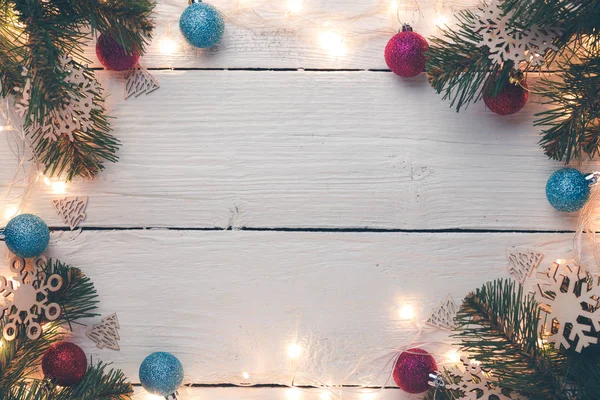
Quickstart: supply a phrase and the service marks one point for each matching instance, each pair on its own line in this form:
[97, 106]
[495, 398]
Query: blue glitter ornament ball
[161, 373]
[26, 235]
[202, 25]
[567, 190]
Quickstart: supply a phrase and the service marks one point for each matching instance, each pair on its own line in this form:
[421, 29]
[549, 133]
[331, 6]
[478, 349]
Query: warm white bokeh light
[441, 21]
[406, 312]
[167, 45]
[325, 395]
[293, 394]
[294, 6]
[368, 396]
[453, 356]
[294, 351]
[10, 212]
[245, 375]
[59, 187]
[333, 42]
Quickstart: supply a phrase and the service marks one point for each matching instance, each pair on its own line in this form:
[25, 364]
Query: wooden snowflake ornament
[71, 209]
[509, 43]
[470, 382]
[25, 297]
[569, 296]
[522, 262]
[444, 315]
[75, 115]
[139, 81]
[106, 333]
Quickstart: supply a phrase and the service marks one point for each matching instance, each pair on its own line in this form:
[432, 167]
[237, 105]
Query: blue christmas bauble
[161, 373]
[202, 25]
[26, 235]
[567, 190]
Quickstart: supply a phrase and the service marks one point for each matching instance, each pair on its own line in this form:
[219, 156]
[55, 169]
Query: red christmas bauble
[510, 99]
[412, 369]
[405, 53]
[64, 363]
[114, 56]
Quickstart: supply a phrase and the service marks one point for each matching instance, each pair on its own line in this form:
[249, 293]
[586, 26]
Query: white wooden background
[269, 193]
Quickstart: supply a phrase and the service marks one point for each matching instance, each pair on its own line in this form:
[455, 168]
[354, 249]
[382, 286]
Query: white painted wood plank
[263, 34]
[319, 150]
[278, 394]
[228, 302]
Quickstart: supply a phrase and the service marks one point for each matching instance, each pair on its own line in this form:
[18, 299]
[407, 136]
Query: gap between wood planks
[317, 230]
[257, 69]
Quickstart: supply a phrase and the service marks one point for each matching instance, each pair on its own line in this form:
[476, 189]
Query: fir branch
[498, 326]
[97, 384]
[21, 356]
[85, 155]
[77, 296]
[459, 69]
[572, 126]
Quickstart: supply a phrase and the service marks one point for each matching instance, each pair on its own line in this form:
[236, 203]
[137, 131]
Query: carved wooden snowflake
[71, 209]
[569, 298]
[106, 333]
[509, 43]
[443, 316]
[25, 297]
[522, 262]
[139, 81]
[471, 382]
[77, 109]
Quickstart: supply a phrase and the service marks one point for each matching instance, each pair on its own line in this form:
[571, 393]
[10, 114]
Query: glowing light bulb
[294, 351]
[325, 395]
[441, 21]
[11, 211]
[59, 187]
[293, 394]
[453, 356]
[294, 6]
[394, 6]
[245, 375]
[333, 42]
[167, 45]
[368, 396]
[47, 181]
[407, 312]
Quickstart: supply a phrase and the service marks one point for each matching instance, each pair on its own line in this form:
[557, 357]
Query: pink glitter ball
[114, 56]
[412, 369]
[510, 99]
[405, 53]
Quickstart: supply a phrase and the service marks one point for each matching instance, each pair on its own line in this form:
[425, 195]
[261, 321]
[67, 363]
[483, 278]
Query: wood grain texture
[263, 33]
[313, 150]
[228, 302]
[277, 394]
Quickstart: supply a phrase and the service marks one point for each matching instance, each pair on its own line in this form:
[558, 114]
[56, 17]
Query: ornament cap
[406, 28]
[593, 178]
[190, 2]
[436, 380]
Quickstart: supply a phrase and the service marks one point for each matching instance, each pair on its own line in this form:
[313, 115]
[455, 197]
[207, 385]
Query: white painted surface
[296, 149]
[314, 150]
[232, 302]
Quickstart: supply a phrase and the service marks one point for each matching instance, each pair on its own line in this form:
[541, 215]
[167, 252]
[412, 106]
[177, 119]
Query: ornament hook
[416, 14]
[593, 178]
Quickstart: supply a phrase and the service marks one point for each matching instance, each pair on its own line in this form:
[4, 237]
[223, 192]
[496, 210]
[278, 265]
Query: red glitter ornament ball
[114, 56]
[510, 99]
[64, 363]
[405, 53]
[412, 369]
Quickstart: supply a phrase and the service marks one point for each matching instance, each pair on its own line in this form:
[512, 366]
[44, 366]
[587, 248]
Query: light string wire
[380, 359]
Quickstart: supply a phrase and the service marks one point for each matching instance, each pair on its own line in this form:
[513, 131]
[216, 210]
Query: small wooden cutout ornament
[106, 333]
[139, 81]
[71, 209]
[569, 298]
[26, 296]
[444, 315]
[522, 262]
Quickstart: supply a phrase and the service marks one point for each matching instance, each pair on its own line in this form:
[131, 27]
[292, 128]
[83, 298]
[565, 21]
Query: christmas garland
[41, 45]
